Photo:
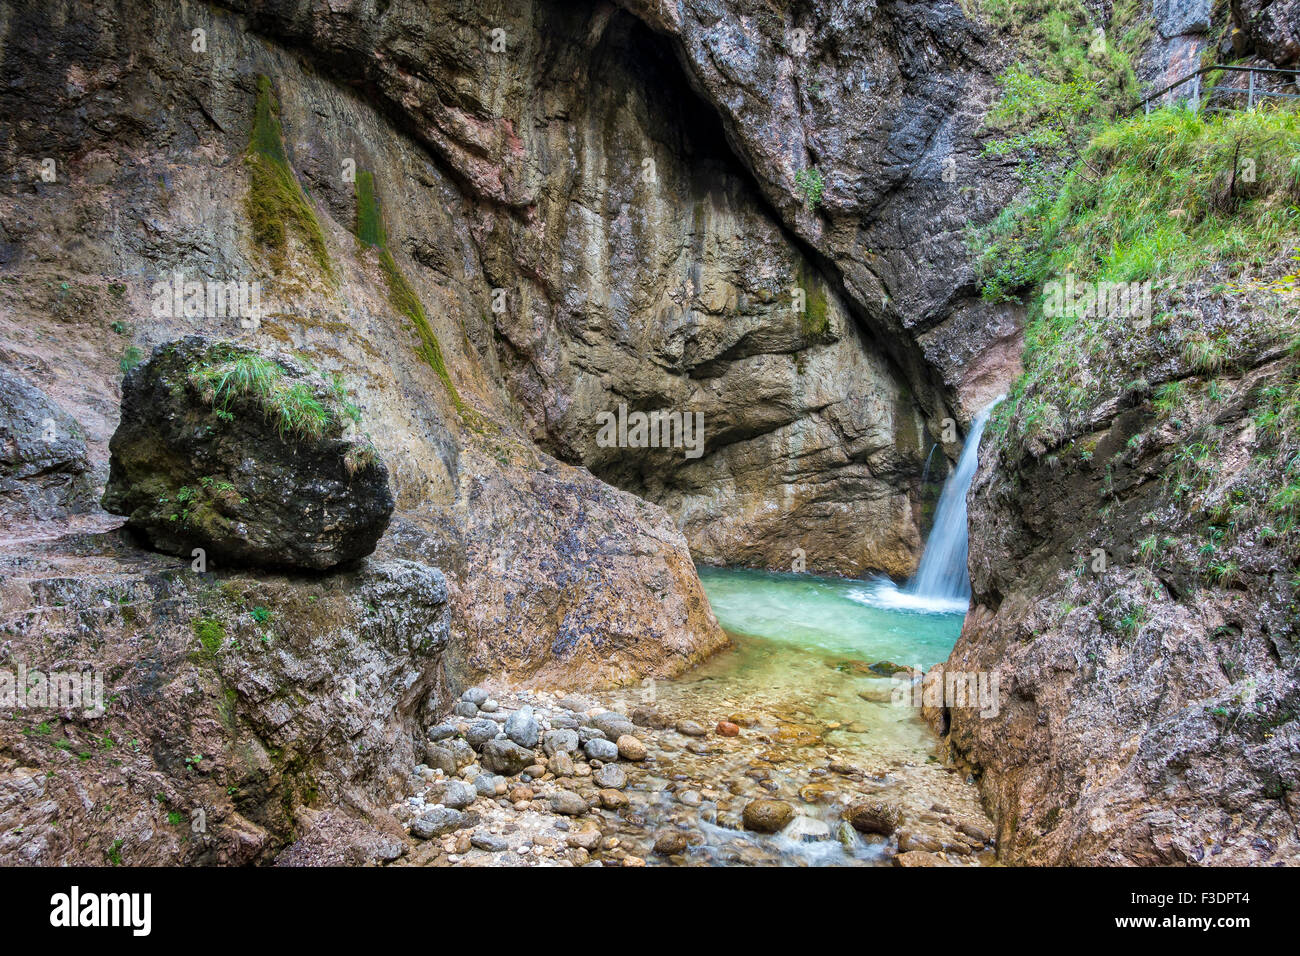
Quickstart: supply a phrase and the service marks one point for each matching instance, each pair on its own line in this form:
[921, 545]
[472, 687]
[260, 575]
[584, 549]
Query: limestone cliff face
[1133, 560]
[885, 100]
[1133, 541]
[220, 734]
[634, 197]
[1148, 665]
[599, 208]
[147, 135]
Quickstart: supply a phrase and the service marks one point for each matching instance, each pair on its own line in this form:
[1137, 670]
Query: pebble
[475, 696]
[690, 728]
[612, 799]
[506, 757]
[464, 708]
[568, 803]
[670, 841]
[492, 844]
[437, 821]
[874, 817]
[610, 777]
[691, 798]
[562, 765]
[441, 732]
[480, 732]
[808, 830]
[648, 717]
[458, 794]
[726, 728]
[600, 749]
[440, 757]
[586, 838]
[975, 832]
[522, 727]
[630, 748]
[613, 725]
[767, 816]
[557, 741]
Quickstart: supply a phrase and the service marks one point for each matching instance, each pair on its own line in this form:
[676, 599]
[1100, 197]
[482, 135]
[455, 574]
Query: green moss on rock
[370, 232]
[276, 202]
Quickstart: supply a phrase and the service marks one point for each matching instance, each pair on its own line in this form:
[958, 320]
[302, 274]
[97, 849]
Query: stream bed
[796, 717]
[801, 668]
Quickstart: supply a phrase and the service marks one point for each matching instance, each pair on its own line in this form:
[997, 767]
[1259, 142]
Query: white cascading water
[943, 575]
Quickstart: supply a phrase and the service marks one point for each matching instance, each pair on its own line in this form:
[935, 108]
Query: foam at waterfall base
[884, 593]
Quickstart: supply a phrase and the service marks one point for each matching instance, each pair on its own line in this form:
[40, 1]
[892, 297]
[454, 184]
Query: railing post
[1196, 95]
[1250, 92]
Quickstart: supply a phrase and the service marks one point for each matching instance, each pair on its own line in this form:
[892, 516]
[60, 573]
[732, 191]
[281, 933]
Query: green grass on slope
[1070, 77]
[1165, 198]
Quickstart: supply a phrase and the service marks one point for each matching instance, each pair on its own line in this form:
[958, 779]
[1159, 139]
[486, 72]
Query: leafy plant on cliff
[276, 202]
[811, 186]
[132, 357]
[297, 408]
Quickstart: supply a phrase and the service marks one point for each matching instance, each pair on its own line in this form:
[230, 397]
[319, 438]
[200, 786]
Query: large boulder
[250, 457]
[44, 472]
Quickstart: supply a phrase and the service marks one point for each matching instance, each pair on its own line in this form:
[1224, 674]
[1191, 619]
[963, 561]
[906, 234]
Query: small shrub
[131, 358]
[810, 186]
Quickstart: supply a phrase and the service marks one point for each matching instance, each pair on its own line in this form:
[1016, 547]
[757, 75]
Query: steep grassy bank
[1133, 538]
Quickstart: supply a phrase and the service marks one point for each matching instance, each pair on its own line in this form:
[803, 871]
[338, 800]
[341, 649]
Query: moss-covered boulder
[256, 459]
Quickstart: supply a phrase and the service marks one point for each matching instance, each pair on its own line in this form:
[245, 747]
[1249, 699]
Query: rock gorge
[517, 216]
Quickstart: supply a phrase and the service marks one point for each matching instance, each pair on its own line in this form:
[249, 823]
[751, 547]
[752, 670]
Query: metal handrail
[1250, 91]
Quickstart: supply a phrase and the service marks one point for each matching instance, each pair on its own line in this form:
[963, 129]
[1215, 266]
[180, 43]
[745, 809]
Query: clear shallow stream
[799, 669]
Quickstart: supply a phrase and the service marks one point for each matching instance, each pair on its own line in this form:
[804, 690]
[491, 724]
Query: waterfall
[943, 575]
